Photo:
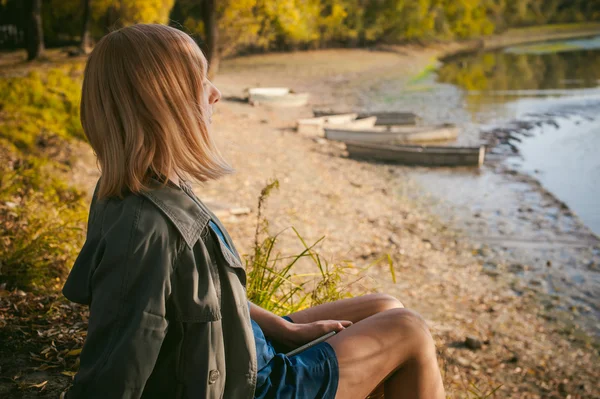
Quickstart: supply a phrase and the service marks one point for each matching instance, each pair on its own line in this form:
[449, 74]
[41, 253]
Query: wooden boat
[392, 118]
[315, 126]
[276, 97]
[383, 118]
[418, 155]
[359, 123]
[395, 134]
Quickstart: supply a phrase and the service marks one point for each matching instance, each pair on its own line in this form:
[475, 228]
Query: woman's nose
[215, 94]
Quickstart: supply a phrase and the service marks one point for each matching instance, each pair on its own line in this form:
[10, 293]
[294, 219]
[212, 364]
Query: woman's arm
[292, 334]
[271, 324]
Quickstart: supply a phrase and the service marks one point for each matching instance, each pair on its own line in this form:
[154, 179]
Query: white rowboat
[383, 118]
[315, 126]
[392, 134]
[276, 97]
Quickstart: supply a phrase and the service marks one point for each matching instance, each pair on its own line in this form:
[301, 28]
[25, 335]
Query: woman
[168, 313]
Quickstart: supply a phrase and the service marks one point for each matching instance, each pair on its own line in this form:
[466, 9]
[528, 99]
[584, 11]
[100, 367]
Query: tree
[85, 29]
[211, 34]
[34, 34]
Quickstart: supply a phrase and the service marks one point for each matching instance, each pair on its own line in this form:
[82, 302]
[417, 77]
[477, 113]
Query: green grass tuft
[273, 282]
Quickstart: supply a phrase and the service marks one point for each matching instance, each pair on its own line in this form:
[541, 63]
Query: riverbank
[524, 343]
[534, 348]
[527, 35]
[510, 208]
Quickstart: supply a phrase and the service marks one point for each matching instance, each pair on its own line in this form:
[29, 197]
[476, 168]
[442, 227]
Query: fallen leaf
[74, 352]
[40, 385]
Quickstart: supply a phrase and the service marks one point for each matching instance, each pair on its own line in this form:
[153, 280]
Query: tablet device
[311, 344]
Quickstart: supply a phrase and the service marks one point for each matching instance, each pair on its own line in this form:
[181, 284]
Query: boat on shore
[383, 117]
[392, 134]
[418, 155]
[316, 126]
[276, 97]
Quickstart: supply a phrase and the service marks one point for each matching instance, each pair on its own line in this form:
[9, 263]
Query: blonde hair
[142, 109]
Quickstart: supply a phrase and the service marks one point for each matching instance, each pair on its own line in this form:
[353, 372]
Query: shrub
[41, 216]
[273, 283]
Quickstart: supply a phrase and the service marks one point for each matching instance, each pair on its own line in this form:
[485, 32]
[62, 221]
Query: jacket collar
[180, 208]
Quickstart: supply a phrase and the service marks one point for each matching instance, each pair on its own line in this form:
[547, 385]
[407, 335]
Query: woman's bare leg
[395, 346]
[353, 309]
[387, 343]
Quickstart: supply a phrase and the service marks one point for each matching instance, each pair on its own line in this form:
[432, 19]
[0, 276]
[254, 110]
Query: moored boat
[383, 117]
[315, 126]
[359, 123]
[392, 134]
[277, 97]
[418, 155]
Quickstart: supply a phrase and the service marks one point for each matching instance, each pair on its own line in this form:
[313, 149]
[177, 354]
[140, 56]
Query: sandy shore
[529, 350]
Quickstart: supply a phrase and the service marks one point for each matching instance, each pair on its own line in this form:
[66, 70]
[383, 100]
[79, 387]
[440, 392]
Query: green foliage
[61, 20]
[128, 12]
[533, 70]
[42, 219]
[288, 24]
[41, 216]
[263, 24]
[41, 105]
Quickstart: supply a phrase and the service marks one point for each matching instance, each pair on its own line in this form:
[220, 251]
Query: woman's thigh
[372, 349]
[352, 309]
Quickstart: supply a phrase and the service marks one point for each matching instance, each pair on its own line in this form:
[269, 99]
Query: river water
[556, 82]
[534, 209]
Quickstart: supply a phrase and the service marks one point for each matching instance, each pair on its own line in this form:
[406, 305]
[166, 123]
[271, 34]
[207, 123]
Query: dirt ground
[529, 349]
[519, 345]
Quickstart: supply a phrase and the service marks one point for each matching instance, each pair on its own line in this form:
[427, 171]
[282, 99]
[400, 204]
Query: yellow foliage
[128, 12]
[42, 217]
[267, 24]
[37, 104]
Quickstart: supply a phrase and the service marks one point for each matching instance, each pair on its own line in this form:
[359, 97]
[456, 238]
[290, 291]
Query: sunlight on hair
[143, 109]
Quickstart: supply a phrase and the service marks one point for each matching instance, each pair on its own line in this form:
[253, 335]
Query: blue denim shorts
[311, 374]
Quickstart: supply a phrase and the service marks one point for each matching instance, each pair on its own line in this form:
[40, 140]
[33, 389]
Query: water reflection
[524, 82]
[508, 71]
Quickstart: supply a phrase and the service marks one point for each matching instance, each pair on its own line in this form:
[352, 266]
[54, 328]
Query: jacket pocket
[196, 291]
[230, 262]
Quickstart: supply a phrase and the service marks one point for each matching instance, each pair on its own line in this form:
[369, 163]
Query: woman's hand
[299, 334]
[290, 334]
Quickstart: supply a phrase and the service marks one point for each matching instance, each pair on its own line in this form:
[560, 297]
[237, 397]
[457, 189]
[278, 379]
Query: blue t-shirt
[217, 230]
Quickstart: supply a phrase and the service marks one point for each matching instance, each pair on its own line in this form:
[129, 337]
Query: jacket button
[213, 376]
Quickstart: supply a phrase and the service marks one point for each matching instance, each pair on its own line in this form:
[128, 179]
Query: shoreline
[521, 217]
[444, 274]
[521, 36]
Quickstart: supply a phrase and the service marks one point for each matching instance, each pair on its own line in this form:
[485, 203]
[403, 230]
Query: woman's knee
[411, 326]
[384, 302]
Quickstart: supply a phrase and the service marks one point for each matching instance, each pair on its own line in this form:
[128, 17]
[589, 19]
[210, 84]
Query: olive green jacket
[169, 316]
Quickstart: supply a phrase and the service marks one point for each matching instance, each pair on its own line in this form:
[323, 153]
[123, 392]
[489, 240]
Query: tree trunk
[85, 29]
[362, 34]
[34, 40]
[211, 34]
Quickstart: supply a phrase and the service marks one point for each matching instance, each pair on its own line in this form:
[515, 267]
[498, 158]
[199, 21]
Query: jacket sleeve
[129, 288]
